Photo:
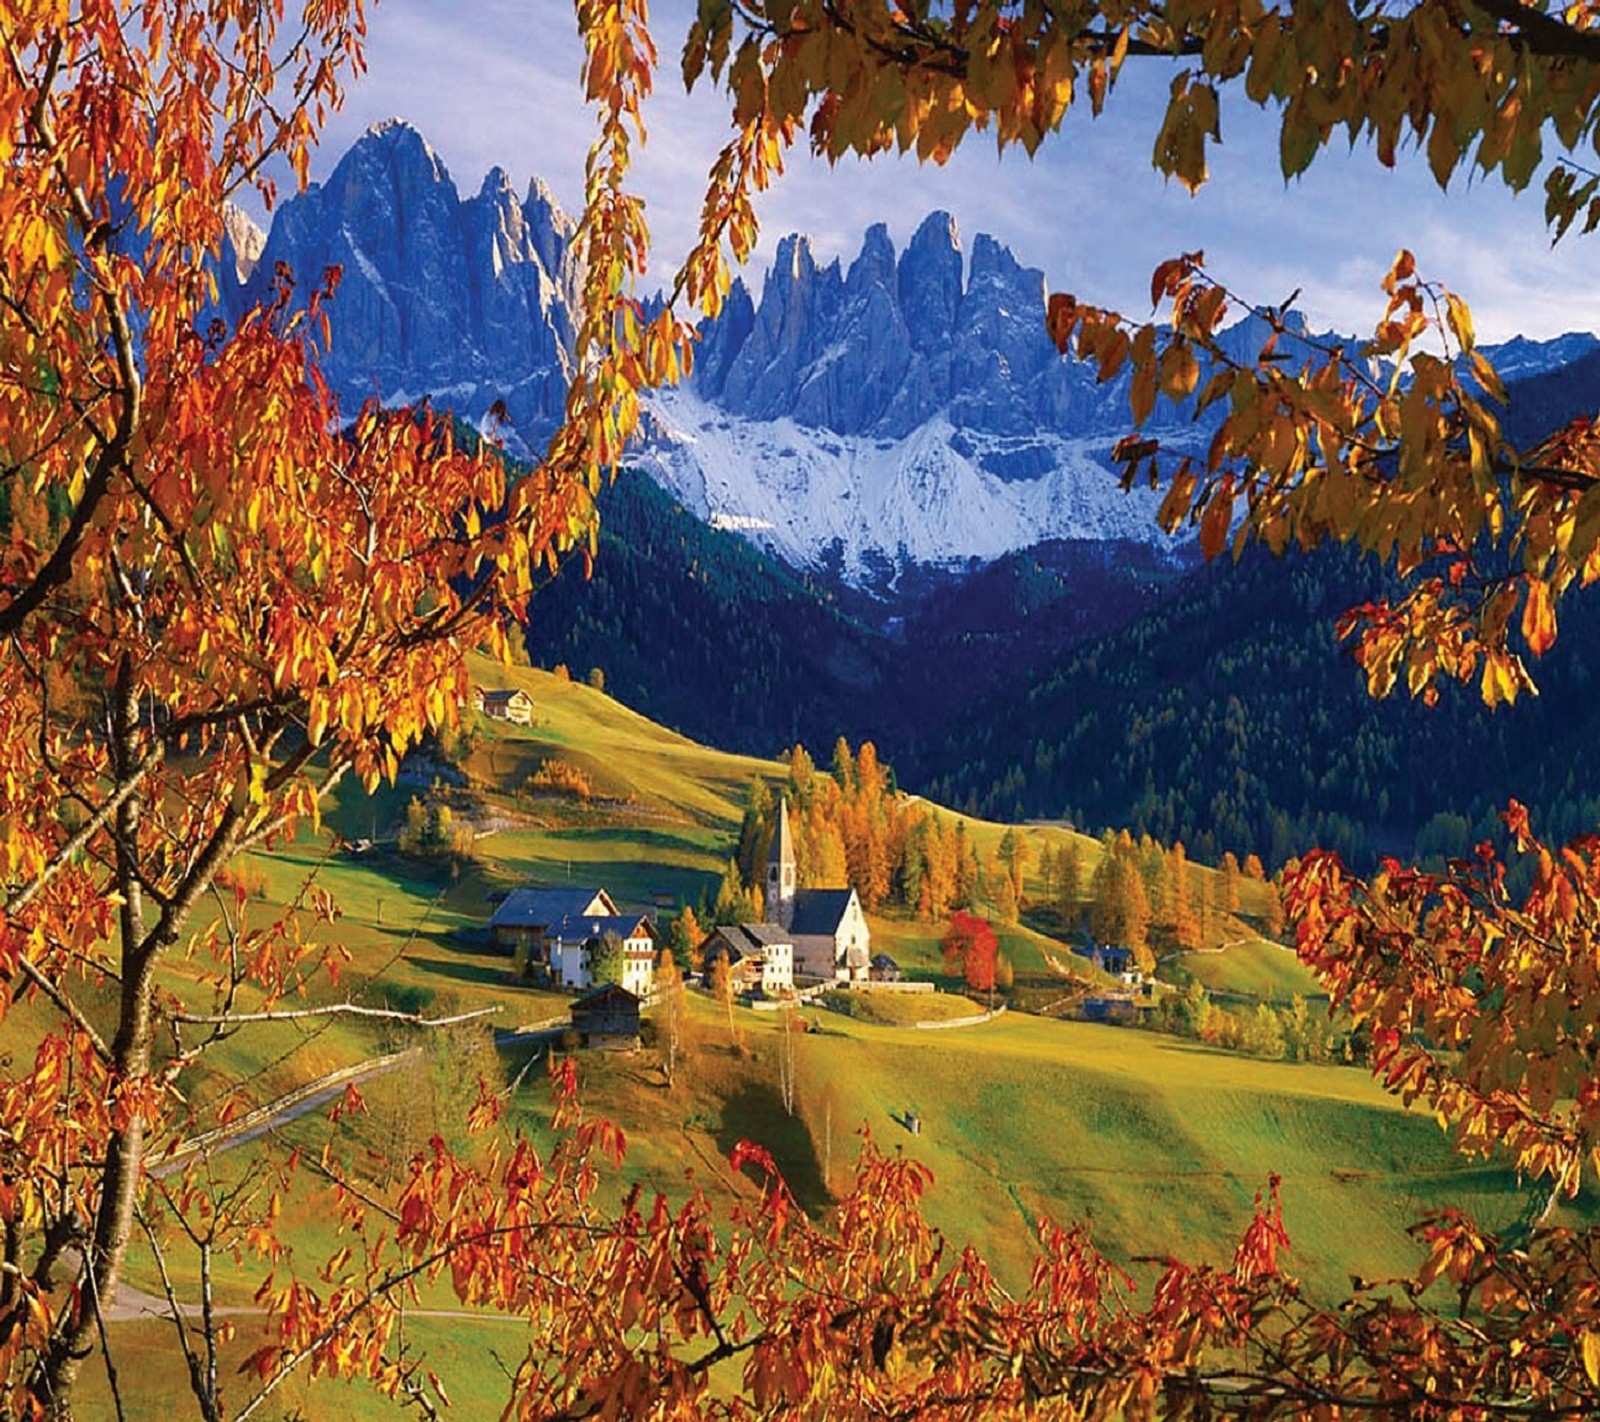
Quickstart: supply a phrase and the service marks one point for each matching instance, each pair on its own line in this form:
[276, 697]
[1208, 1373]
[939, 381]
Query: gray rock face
[898, 340]
[469, 301]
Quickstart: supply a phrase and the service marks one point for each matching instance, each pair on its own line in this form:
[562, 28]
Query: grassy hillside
[1160, 1144]
[1248, 967]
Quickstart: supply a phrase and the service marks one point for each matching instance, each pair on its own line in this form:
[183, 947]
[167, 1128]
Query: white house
[513, 705]
[521, 924]
[760, 956]
[574, 940]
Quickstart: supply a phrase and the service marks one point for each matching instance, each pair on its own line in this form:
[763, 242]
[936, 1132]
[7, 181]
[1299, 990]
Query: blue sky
[496, 82]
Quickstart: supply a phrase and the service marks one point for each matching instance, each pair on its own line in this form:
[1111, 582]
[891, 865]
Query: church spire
[780, 869]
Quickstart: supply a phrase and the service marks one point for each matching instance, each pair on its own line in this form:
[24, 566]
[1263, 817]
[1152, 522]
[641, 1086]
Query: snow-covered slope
[866, 506]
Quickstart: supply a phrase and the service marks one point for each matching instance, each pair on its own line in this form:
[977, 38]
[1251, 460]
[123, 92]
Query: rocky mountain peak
[242, 242]
[470, 300]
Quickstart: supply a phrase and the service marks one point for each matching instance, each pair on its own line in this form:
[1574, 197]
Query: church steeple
[780, 869]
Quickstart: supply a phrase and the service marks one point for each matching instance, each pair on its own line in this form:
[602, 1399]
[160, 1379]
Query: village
[813, 940]
[578, 939]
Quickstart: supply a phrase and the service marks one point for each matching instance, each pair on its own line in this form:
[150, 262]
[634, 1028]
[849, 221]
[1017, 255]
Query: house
[574, 940]
[827, 927]
[760, 956]
[1116, 1005]
[515, 706]
[775, 949]
[607, 1017]
[884, 969]
[523, 916]
[1109, 958]
[726, 944]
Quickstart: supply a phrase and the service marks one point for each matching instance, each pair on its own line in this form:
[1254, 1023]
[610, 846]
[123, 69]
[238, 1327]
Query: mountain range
[905, 410]
[957, 574]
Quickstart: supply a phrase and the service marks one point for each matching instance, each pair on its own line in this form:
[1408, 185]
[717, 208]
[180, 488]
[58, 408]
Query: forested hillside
[1111, 684]
[1230, 718]
[705, 633]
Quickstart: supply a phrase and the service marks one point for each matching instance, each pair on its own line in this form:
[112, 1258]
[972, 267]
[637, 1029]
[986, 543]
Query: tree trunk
[101, 1269]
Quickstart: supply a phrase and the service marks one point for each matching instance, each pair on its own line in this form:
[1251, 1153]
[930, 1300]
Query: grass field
[1160, 1144]
[1250, 967]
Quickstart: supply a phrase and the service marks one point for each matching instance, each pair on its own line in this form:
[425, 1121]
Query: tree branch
[1541, 33]
[338, 1009]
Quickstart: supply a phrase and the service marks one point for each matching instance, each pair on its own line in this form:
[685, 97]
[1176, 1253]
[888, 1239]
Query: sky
[496, 82]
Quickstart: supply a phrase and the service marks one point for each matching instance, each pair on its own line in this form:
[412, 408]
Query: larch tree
[669, 995]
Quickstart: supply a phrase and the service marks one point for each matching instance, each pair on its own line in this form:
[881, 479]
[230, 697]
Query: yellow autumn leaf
[1539, 618]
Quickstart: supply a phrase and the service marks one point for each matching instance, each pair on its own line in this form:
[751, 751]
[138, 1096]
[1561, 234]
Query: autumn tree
[970, 950]
[1069, 891]
[1119, 913]
[736, 902]
[669, 1015]
[1015, 854]
[1049, 873]
[755, 832]
[220, 594]
[1181, 895]
[790, 1026]
[724, 990]
[1230, 883]
[686, 936]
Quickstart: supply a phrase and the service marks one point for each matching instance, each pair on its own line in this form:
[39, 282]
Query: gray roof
[765, 935]
[506, 694]
[725, 941]
[819, 910]
[539, 908]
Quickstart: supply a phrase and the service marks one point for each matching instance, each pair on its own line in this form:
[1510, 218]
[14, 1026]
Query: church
[827, 927]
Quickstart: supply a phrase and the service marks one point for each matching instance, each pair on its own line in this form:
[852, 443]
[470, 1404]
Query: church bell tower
[780, 870]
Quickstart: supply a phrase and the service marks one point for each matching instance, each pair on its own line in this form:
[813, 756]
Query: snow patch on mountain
[815, 497]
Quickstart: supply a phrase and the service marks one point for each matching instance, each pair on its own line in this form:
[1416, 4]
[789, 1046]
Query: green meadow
[1158, 1145]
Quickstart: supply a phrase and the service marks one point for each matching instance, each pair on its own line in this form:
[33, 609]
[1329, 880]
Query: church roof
[819, 910]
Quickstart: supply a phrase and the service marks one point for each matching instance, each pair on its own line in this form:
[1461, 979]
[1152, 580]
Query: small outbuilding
[607, 1017]
[884, 969]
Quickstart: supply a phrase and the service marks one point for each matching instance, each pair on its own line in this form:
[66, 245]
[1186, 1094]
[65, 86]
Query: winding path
[132, 1302]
